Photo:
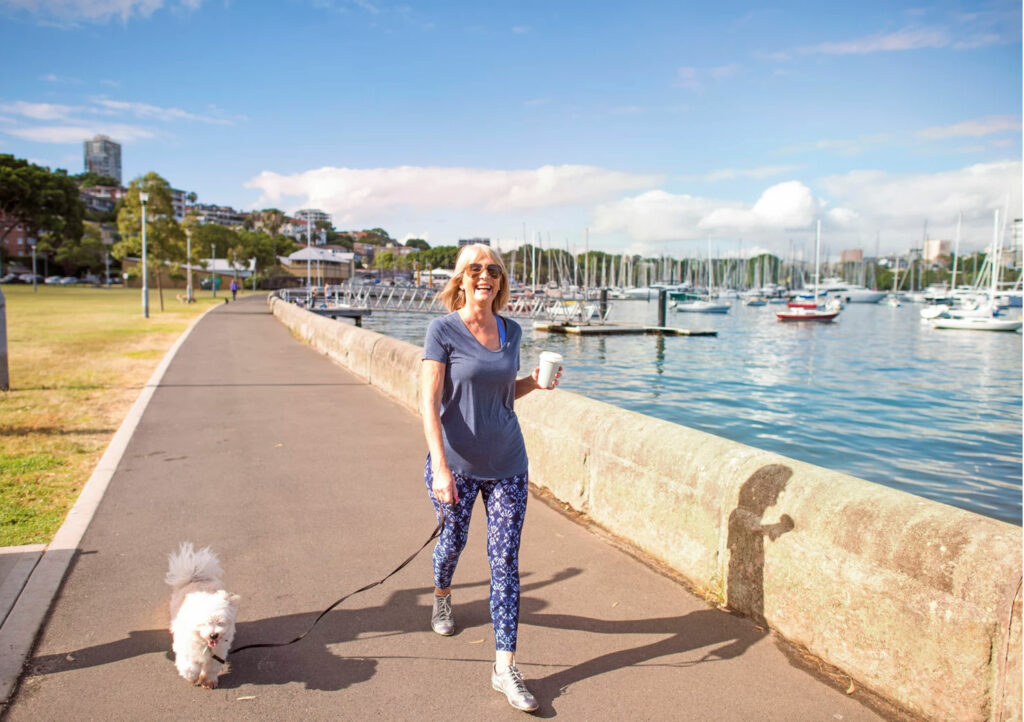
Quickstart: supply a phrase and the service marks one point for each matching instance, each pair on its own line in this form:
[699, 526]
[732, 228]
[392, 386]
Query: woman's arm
[529, 383]
[432, 387]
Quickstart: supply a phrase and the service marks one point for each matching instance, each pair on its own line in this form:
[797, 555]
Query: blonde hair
[454, 298]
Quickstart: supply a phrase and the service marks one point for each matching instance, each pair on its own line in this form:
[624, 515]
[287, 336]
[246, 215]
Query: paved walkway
[308, 483]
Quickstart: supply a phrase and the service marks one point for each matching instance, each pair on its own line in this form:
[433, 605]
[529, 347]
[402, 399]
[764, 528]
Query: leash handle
[433, 535]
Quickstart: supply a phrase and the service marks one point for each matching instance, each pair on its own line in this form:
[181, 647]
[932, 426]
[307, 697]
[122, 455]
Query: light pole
[5, 379]
[213, 267]
[32, 242]
[144, 198]
[188, 265]
[107, 240]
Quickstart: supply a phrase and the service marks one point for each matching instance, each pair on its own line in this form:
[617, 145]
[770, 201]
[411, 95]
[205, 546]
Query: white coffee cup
[549, 364]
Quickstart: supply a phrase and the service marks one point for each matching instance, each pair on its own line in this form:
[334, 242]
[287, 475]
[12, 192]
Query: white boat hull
[978, 324]
[701, 307]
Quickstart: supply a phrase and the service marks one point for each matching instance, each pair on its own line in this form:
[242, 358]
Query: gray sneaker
[511, 684]
[441, 620]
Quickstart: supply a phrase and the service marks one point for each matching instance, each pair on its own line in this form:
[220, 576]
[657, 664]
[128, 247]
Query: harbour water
[877, 394]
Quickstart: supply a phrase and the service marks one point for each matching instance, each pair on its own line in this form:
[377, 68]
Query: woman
[470, 360]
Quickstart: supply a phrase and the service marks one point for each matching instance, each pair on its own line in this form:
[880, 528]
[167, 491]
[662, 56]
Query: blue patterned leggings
[505, 501]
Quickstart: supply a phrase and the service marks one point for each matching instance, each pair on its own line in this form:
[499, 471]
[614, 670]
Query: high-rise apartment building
[103, 157]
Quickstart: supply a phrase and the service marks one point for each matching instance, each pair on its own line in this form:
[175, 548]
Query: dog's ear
[234, 599]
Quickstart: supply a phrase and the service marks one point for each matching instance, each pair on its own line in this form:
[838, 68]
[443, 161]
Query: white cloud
[906, 39]
[653, 217]
[78, 133]
[980, 40]
[145, 110]
[348, 193]
[94, 11]
[845, 147]
[72, 11]
[974, 128]
[658, 216]
[853, 207]
[696, 78]
[725, 174]
[906, 201]
[39, 111]
[72, 124]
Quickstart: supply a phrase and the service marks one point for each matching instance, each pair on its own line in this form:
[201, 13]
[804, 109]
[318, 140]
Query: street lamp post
[188, 265]
[144, 198]
[107, 240]
[213, 267]
[32, 242]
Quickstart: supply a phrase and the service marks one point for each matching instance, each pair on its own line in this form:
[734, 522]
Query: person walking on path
[234, 289]
[469, 386]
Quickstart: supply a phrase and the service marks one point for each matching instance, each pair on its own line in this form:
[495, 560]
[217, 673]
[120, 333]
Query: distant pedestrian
[470, 361]
[234, 289]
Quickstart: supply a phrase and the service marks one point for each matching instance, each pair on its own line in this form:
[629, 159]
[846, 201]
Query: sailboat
[984, 318]
[703, 305]
[806, 311]
[893, 298]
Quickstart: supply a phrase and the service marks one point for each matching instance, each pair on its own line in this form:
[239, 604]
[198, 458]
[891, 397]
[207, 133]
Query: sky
[649, 127]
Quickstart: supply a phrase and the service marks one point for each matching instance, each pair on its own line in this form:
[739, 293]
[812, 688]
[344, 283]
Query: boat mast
[956, 255]
[994, 284]
[817, 250]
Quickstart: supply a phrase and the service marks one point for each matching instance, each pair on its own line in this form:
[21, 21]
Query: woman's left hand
[536, 378]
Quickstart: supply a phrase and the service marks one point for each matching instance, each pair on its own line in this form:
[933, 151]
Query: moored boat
[813, 311]
[978, 323]
[700, 305]
[807, 314]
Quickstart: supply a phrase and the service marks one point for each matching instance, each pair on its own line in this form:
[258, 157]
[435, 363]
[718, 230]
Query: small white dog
[202, 614]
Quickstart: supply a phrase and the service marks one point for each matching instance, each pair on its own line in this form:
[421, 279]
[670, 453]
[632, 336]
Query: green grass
[77, 357]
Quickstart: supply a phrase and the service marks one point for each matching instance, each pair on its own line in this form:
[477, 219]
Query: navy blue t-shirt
[482, 438]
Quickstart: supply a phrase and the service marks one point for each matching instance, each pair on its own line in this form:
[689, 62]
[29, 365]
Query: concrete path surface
[308, 483]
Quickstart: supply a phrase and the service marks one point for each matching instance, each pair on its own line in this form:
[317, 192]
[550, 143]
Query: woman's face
[480, 289]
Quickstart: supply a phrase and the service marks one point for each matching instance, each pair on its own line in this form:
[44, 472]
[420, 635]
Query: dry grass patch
[78, 358]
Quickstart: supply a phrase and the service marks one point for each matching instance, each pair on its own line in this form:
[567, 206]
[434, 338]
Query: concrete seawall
[919, 601]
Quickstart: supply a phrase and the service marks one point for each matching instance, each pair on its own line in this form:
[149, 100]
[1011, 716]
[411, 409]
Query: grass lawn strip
[78, 358]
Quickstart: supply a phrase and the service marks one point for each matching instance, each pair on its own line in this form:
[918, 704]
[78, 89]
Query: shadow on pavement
[312, 660]
[727, 636]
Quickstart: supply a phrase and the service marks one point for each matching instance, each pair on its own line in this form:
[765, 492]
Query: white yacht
[850, 292]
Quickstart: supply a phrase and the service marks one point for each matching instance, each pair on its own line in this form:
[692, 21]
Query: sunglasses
[475, 269]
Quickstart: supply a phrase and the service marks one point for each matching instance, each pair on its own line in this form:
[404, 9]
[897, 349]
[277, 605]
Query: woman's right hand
[443, 485]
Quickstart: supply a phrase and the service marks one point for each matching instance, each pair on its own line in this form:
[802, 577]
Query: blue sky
[648, 127]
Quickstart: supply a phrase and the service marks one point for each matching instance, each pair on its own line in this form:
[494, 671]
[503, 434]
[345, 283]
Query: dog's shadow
[310, 661]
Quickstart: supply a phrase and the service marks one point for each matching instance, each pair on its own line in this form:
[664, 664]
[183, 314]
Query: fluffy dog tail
[188, 566]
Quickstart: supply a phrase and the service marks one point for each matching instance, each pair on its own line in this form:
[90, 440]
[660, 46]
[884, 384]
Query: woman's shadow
[744, 589]
[727, 636]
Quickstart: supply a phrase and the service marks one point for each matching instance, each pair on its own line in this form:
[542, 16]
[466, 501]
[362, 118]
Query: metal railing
[410, 299]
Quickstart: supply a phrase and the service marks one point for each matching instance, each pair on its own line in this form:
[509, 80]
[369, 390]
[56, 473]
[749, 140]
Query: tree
[87, 252]
[438, 257]
[165, 239]
[417, 243]
[345, 240]
[377, 237]
[265, 248]
[89, 179]
[38, 199]
[271, 219]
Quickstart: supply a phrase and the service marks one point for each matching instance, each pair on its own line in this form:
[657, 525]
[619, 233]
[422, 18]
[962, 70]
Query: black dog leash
[433, 535]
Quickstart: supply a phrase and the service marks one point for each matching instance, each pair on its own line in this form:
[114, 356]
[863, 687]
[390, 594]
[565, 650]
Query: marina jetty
[916, 600]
